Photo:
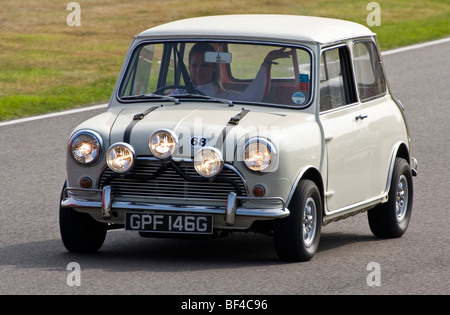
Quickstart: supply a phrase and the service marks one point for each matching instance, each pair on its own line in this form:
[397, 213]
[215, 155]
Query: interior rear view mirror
[217, 57]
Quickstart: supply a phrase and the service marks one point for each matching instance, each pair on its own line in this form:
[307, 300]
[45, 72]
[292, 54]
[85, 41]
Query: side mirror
[217, 57]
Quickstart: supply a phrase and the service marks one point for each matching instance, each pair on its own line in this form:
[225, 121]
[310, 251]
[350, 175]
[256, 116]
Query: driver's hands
[276, 54]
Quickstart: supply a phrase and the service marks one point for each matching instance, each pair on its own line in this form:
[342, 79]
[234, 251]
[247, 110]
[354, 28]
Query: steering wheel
[189, 89]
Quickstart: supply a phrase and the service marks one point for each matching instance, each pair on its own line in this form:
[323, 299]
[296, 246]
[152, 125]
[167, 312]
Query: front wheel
[391, 219]
[297, 236]
[79, 231]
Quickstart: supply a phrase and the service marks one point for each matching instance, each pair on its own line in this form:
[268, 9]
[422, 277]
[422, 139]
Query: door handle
[361, 116]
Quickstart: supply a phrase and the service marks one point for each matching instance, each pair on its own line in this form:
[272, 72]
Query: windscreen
[239, 72]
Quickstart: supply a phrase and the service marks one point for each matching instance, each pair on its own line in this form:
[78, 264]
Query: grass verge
[45, 65]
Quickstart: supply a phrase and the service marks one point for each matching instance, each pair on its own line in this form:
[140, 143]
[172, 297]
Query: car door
[383, 115]
[346, 130]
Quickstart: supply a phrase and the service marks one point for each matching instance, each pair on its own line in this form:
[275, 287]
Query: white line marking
[56, 114]
[85, 109]
[416, 46]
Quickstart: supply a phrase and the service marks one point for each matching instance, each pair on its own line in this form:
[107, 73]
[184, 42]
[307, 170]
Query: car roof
[261, 26]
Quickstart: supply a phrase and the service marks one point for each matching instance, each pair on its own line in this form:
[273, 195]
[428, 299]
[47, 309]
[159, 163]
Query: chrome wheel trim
[401, 198]
[309, 222]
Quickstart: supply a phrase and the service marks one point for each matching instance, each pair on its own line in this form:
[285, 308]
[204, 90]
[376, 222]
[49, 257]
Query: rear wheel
[79, 231]
[391, 219]
[297, 236]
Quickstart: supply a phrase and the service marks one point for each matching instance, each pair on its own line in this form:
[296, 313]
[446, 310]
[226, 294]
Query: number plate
[169, 223]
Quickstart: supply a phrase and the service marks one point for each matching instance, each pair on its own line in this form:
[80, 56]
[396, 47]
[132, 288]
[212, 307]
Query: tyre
[297, 237]
[79, 231]
[391, 219]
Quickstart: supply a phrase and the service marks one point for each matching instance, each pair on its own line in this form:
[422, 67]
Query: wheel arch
[313, 174]
[400, 151]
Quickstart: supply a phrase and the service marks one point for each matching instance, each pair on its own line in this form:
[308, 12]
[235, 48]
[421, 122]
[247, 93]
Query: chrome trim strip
[352, 210]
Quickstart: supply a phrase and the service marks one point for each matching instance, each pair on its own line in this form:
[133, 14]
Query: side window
[336, 81]
[369, 73]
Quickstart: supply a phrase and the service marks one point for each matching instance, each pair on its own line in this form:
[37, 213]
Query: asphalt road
[34, 261]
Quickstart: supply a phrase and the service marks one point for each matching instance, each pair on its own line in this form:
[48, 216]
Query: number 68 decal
[198, 142]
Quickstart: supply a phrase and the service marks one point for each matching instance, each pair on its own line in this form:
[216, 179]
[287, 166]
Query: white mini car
[269, 123]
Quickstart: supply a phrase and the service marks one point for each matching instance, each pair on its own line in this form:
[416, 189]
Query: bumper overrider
[101, 204]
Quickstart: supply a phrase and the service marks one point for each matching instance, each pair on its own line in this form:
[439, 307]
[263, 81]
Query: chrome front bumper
[103, 199]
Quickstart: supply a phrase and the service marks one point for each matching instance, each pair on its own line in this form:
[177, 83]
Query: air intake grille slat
[151, 179]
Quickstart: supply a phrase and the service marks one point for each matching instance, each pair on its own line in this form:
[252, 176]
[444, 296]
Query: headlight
[85, 146]
[162, 143]
[120, 157]
[258, 154]
[208, 162]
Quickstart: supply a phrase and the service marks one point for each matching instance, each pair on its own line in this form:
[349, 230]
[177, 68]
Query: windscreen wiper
[210, 98]
[151, 96]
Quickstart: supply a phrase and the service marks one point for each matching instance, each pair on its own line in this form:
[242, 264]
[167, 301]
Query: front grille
[152, 179]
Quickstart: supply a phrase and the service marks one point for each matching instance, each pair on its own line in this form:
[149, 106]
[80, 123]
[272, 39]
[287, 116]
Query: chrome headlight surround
[163, 143]
[85, 147]
[208, 162]
[260, 155]
[120, 157]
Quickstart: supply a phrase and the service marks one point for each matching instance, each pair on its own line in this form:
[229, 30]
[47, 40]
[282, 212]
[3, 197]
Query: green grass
[46, 65]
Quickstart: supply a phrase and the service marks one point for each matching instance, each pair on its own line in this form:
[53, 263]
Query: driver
[207, 77]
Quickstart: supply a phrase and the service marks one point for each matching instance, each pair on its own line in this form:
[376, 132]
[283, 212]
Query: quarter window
[368, 70]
